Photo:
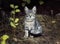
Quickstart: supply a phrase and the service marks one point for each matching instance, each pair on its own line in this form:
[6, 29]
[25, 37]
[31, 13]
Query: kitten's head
[30, 14]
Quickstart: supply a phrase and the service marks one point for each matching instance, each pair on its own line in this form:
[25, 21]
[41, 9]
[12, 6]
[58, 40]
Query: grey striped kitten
[31, 26]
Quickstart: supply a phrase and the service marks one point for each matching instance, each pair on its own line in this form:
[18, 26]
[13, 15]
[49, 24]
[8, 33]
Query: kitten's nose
[30, 16]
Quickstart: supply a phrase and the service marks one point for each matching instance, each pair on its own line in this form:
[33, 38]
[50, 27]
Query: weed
[4, 38]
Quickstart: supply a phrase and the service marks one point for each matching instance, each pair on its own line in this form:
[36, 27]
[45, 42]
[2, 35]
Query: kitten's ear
[34, 9]
[26, 9]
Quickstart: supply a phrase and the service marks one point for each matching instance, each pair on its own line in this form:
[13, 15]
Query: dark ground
[50, 35]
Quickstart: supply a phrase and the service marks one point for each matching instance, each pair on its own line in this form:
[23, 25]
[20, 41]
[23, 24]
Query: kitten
[31, 24]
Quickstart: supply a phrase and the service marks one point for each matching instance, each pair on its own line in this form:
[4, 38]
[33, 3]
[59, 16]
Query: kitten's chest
[28, 23]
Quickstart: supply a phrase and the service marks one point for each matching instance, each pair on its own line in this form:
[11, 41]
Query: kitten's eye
[26, 16]
[34, 15]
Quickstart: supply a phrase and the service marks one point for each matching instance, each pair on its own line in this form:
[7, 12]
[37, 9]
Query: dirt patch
[50, 35]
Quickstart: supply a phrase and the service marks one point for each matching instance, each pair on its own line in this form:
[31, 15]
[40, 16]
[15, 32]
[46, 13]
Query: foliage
[15, 9]
[28, 1]
[4, 38]
[23, 4]
[41, 2]
[14, 21]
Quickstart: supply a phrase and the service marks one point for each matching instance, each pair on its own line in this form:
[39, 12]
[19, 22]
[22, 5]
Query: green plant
[4, 38]
[41, 2]
[14, 21]
[25, 2]
[28, 1]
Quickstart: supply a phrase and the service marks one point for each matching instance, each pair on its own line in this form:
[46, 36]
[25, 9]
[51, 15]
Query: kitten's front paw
[31, 36]
[25, 36]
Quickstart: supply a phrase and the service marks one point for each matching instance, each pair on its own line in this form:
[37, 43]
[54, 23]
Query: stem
[3, 42]
[14, 18]
[14, 14]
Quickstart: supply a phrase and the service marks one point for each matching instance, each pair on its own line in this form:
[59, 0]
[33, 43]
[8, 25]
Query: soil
[50, 35]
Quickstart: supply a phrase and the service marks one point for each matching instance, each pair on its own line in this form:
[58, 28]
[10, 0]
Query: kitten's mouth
[29, 21]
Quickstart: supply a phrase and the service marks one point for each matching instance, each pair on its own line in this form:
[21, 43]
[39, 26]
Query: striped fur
[31, 24]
